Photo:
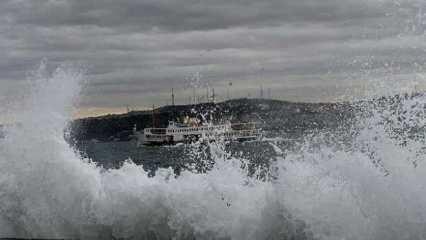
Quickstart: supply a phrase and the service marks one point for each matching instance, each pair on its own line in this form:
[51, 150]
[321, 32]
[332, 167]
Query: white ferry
[184, 133]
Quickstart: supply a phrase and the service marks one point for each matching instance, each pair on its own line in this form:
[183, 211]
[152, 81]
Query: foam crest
[369, 187]
[48, 191]
[372, 189]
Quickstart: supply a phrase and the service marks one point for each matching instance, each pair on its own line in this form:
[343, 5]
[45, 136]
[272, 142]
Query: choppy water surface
[363, 182]
[180, 157]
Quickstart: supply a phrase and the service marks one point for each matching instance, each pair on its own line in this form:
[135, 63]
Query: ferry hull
[196, 139]
[208, 133]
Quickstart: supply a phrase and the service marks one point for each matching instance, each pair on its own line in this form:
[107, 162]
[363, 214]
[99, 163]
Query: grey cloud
[136, 50]
[186, 14]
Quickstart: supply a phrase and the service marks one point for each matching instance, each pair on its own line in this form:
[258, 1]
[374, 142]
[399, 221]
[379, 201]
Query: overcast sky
[136, 50]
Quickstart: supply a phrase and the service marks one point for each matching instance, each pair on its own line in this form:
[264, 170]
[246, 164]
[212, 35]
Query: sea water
[366, 181]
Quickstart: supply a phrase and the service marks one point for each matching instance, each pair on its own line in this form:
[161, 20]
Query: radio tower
[213, 96]
[173, 98]
[153, 116]
[173, 105]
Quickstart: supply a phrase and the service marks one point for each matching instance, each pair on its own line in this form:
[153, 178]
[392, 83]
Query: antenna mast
[194, 98]
[153, 116]
[173, 98]
[228, 91]
[213, 96]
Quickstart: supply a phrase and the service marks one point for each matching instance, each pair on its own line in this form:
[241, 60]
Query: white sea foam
[374, 188]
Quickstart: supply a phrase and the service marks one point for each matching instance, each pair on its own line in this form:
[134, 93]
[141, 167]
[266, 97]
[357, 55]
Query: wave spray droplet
[369, 187]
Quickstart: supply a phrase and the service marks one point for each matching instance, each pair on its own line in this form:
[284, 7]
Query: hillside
[272, 114]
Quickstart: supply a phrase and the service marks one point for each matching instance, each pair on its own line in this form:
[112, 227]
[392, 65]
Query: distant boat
[191, 132]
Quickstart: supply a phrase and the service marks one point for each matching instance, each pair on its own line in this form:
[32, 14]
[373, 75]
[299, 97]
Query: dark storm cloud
[136, 50]
[186, 14]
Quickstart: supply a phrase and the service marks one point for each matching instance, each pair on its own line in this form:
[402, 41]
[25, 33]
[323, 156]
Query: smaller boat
[186, 133]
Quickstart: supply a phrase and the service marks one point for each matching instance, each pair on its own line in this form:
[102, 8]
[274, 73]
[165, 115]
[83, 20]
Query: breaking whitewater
[367, 181]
